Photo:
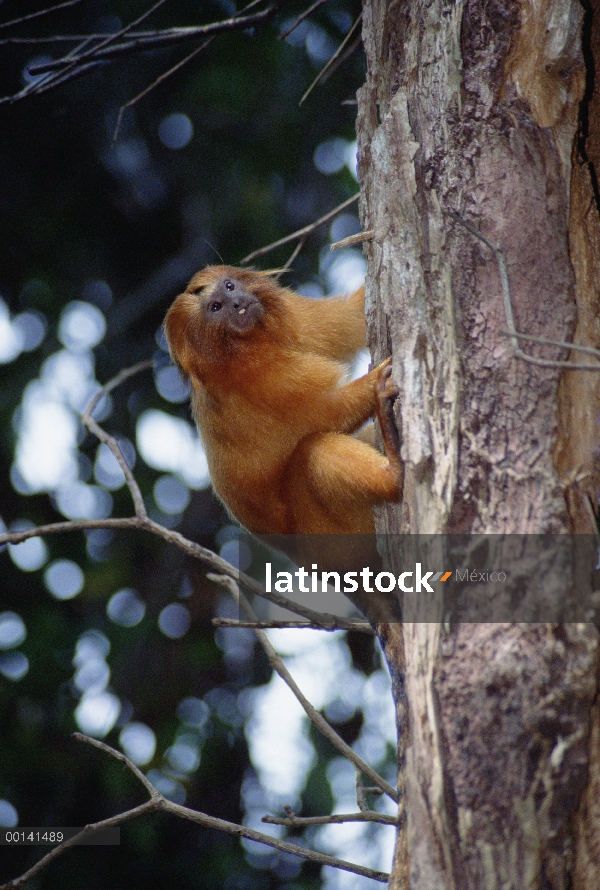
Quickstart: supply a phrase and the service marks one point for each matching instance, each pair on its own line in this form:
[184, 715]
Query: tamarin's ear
[179, 330]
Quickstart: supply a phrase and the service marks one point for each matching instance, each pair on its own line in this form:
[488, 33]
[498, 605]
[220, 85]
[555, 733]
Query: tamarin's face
[227, 304]
[222, 312]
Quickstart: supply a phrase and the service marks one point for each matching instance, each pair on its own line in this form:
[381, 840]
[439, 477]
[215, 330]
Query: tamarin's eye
[215, 307]
[229, 285]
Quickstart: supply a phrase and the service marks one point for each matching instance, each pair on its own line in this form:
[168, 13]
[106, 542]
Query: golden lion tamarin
[273, 410]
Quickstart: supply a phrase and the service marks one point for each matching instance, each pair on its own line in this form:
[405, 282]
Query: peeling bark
[487, 109]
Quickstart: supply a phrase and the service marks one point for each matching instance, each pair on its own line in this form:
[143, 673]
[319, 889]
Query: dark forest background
[217, 161]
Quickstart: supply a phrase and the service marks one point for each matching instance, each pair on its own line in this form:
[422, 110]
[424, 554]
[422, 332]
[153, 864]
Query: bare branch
[563, 344]
[510, 321]
[314, 716]
[324, 619]
[301, 18]
[354, 239]
[158, 802]
[116, 381]
[361, 626]
[147, 807]
[328, 65]
[109, 49]
[361, 792]
[80, 60]
[110, 441]
[73, 65]
[284, 846]
[37, 15]
[293, 256]
[94, 54]
[118, 755]
[162, 77]
[293, 821]
[301, 233]
[51, 38]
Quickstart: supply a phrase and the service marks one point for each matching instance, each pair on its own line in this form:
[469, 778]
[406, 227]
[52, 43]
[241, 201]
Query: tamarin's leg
[387, 392]
[332, 480]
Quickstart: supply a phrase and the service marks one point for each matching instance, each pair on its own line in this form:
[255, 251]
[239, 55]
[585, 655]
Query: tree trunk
[486, 110]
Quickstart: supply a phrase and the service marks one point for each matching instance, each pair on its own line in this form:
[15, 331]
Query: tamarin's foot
[387, 393]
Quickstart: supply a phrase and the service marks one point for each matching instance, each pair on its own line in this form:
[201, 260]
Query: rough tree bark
[487, 109]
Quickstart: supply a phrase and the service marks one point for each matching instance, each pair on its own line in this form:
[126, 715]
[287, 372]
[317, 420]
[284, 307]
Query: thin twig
[148, 807]
[37, 15]
[341, 624]
[354, 239]
[293, 821]
[361, 792]
[301, 18]
[50, 82]
[510, 321]
[293, 256]
[72, 65]
[162, 77]
[323, 72]
[563, 344]
[96, 53]
[111, 443]
[301, 233]
[51, 38]
[39, 84]
[158, 39]
[116, 381]
[157, 802]
[314, 716]
[118, 755]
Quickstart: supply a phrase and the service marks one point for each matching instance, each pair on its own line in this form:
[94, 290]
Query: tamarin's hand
[271, 405]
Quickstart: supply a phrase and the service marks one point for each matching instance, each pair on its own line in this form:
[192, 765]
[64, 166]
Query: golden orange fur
[273, 410]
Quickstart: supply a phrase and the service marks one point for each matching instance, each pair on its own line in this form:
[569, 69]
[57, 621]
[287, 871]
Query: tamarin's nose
[242, 302]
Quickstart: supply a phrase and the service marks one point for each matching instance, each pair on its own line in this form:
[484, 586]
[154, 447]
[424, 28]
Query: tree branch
[361, 626]
[301, 233]
[301, 18]
[328, 67]
[351, 240]
[158, 802]
[37, 15]
[143, 42]
[510, 320]
[110, 441]
[314, 716]
[162, 77]
[294, 821]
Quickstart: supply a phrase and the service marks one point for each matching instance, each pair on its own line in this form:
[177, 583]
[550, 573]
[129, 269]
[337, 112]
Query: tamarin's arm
[333, 327]
[351, 405]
